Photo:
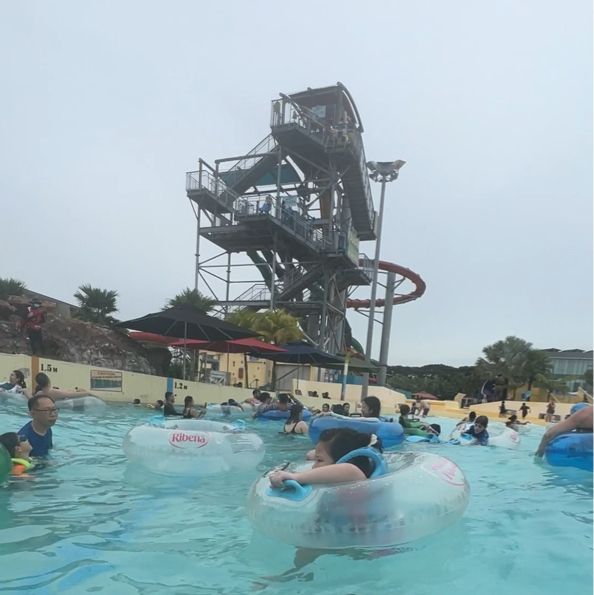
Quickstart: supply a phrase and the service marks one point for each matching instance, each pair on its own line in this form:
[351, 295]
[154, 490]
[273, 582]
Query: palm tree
[244, 318]
[278, 327]
[514, 359]
[272, 326]
[538, 365]
[10, 286]
[194, 298]
[96, 305]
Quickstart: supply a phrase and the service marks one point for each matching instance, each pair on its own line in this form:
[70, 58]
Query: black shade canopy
[185, 322]
[301, 353]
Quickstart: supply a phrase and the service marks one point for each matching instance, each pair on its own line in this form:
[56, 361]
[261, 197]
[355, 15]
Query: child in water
[19, 451]
[332, 446]
[479, 430]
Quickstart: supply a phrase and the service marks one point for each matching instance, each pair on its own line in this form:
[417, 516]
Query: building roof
[568, 353]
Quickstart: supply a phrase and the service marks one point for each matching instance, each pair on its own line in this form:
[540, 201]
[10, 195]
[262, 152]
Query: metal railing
[296, 222]
[246, 163]
[332, 136]
[203, 179]
[256, 293]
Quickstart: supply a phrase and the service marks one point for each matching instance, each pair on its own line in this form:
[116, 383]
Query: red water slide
[399, 298]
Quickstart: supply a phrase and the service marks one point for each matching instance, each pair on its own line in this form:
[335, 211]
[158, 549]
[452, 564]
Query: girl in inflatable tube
[334, 444]
[370, 422]
[19, 449]
[44, 387]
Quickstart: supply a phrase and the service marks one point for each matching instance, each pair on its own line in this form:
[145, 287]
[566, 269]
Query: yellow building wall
[147, 388]
[258, 371]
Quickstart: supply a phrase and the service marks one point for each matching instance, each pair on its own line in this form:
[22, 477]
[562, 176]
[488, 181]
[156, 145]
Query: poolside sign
[109, 380]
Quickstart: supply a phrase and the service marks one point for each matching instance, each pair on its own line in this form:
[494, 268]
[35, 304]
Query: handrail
[204, 179]
[261, 150]
[250, 291]
[331, 136]
[302, 226]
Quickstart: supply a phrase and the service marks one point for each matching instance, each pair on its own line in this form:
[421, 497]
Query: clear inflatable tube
[13, 396]
[421, 494]
[502, 436]
[390, 433]
[574, 449]
[81, 403]
[192, 447]
[229, 411]
[499, 435]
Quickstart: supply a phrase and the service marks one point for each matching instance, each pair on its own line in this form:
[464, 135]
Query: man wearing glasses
[39, 430]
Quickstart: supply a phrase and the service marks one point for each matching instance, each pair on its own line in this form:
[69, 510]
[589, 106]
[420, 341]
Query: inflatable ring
[13, 396]
[503, 436]
[282, 415]
[418, 432]
[574, 449]
[390, 433]
[420, 494]
[81, 403]
[192, 447]
[229, 411]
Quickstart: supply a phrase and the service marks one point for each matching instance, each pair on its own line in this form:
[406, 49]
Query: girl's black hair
[41, 381]
[341, 441]
[263, 397]
[187, 400]
[20, 378]
[374, 404]
[295, 413]
[10, 441]
[471, 416]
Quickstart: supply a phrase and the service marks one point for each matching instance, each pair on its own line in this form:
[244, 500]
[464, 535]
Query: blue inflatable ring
[390, 433]
[573, 449]
[282, 415]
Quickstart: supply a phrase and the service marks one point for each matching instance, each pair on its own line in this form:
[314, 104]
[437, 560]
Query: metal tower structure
[294, 209]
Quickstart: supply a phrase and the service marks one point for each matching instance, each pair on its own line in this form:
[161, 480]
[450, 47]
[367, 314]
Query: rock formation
[73, 340]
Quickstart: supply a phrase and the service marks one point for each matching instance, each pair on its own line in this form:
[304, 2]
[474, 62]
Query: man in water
[580, 420]
[38, 431]
[168, 407]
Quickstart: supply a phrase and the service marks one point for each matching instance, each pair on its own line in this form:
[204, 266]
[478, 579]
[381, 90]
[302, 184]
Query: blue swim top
[379, 465]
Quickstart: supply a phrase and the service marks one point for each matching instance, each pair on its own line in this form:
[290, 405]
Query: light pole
[383, 172]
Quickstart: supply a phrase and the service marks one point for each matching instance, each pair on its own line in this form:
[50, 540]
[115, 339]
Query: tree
[538, 365]
[441, 380]
[587, 378]
[514, 359]
[277, 326]
[194, 298]
[10, 286]
[272, 326]
[243, 318]
[96, 305]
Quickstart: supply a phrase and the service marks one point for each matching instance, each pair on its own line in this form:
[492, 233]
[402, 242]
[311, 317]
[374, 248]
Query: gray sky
[106, 105]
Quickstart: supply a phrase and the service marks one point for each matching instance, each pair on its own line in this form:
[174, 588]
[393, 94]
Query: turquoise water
[88, 523]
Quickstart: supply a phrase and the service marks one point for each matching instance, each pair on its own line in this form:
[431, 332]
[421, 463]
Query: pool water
[89, 523]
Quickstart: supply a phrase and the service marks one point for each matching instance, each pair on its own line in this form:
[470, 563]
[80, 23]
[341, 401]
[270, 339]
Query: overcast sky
[106, 105]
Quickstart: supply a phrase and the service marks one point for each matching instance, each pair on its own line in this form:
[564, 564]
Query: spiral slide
[399, 298]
